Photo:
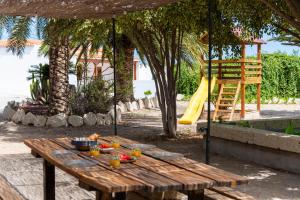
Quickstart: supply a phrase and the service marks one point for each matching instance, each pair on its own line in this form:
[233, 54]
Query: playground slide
[197, 101]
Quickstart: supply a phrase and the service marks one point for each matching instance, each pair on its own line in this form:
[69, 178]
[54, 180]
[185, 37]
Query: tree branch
[280, 13]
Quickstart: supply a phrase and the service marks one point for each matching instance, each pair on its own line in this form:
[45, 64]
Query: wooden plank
[236, 61]
[162, 172]
[153, 180]
[8, 192]
[253, 67]
[253, 80]
[212, 195]
[229, 192]
[99, 177]
[220, 176]
[49, 180]
[253, 73]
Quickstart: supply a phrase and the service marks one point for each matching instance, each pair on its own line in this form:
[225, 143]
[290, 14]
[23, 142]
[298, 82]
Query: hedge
[281, 79]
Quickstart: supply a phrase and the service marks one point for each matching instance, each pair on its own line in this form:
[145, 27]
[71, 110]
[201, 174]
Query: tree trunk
[125, 57]
[59, 80]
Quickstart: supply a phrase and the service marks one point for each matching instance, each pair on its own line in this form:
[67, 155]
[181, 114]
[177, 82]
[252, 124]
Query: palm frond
[19, 34]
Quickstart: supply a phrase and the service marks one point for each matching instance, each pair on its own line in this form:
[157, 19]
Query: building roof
[30, 42]
[76, 8]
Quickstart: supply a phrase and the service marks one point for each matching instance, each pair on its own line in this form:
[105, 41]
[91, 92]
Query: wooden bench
[8, 192]
[225, 193]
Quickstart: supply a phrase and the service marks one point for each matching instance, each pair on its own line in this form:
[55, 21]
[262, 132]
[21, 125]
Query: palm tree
[49, 30]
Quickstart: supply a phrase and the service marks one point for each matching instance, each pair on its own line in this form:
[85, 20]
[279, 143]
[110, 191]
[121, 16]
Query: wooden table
[147, 174]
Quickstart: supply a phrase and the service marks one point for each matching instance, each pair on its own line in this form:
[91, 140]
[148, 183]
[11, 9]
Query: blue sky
[273, 46]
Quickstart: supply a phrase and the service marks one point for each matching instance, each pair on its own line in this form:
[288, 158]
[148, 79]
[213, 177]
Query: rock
[40, 121]
[141, 104]
[129, 106]
[108, 119]
[75, 120]
[100, 119]
[135, 105]
[8, 112]
[28, 119]
[122, 106]
[13, 104]
[154, 102]
[58, 120]
[90, 119]
[148, 104]
[180, 97]
[18, 116]
[112, 115]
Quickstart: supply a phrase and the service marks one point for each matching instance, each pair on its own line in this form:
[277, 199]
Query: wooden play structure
[233, 77]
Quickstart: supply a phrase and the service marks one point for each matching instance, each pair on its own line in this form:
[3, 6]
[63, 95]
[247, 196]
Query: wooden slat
[231, 72]
[8, 192]
[253, 73]
[151, 178]
[230, 193]
[101, 178]
[220, 176]
[236, 61]
[253, 67]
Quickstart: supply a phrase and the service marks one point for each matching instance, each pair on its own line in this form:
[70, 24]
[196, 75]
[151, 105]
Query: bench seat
[225, 193]
[8, 192]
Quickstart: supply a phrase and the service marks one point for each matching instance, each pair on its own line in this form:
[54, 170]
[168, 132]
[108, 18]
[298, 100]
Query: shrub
[281, 78]
[189, 80]
[94, 97]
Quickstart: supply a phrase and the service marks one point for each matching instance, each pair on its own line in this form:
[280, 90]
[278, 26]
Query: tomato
[104, 146]
[125, 157]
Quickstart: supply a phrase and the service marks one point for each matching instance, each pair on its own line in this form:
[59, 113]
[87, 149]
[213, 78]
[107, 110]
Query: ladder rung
[227, 99]
[229, 93]
[225, 111]
[230, 88]
[226, 105]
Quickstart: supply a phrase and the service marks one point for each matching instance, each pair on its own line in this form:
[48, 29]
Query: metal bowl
[83, 144]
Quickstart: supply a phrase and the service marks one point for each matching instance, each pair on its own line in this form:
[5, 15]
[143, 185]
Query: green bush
[281, 78]
[94, 97]
[189, 80]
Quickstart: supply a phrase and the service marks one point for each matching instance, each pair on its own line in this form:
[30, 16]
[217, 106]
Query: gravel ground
[17, 164]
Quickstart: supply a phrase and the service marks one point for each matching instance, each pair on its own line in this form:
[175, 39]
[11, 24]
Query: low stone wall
[273, 124]
[13, 112]
[272, 149]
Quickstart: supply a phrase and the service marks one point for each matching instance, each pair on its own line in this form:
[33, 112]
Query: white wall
[13, 73]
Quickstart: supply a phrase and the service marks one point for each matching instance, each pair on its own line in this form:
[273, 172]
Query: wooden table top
[148, 173]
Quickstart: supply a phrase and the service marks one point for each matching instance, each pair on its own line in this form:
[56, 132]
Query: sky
[273, 46]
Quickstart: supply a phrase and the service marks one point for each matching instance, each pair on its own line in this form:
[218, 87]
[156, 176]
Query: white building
[14, 71]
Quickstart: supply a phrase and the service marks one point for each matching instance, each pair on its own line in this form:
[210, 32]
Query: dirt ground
[17, 165]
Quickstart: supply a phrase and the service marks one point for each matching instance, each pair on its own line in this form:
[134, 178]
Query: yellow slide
[197, 101]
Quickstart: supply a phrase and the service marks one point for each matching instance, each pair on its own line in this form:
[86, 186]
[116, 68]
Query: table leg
[120, 196]
[49, 181]
[196, 195]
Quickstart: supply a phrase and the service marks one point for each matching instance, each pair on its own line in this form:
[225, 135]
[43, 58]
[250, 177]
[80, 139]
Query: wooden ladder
[227, 100]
